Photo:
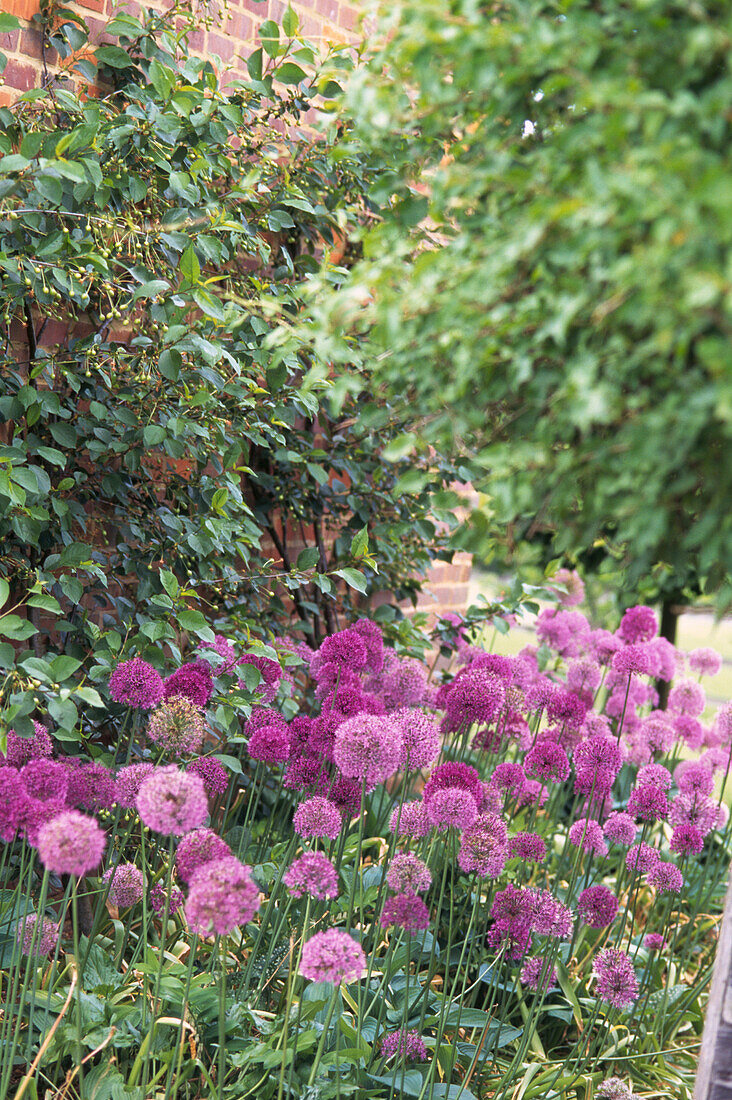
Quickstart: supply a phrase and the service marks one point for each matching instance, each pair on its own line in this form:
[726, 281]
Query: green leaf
[8, 23]
[12, 626]
[189, 266]
[62, 667]
[290, 22]
[51, 455]
[46, 602]
[90, 695]
[269, 34]
[289, 73]
[4, 592]
[413, 481]
[354, 578]
[169, 582]
[360, 543]
[194, 622]
[308, 558]
[38, 669]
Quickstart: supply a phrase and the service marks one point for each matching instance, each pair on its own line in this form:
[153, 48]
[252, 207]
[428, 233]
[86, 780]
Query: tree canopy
[548, 287]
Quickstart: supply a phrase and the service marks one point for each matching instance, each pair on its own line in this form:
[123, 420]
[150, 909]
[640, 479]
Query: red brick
[222, 47]
[91, 5]
[26, 9]
[31, 43]
[9, 41]
[21, 76]
[328, 8]
[349, 17]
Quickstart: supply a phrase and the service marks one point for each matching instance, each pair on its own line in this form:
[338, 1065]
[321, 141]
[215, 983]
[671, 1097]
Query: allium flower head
[408, 874]
[587, 835]
[402, 682]
[648, 802]
[528, 847]
[583, 675]
[550, 916]
[270, 744]
[705, 661]
[222, 896]
[641, 858]
[657, 733]
[475, 698]
[686, 840]
[317, 817]
[223, 647]
[212, 772]
[638, 624]
[198, 848]
[694, 809]
[633, 659]
[332, 956]
[453, 774]
[91, 786]
[406, 911]
[531, 974]
[613, 1089]
[547, 761]
[346, 648]
[13, 799]
[573, 585]
[128, 781]
[136, 684]
[597, 906]
[654, 941]
[421, 738]
[312, 873]
[602, 644]
[71, 844]
[45, 779]
[666, 877]
[410, 820]
[193, 680]
[687, 697]
[616, 980]
[126, 885]
[452, 806]
[693, 777]
[667, 657]
[373, 639]
[45, 933]
[178, 726]
[563, 631]
[20, 750]
[620, 828]
[172, 802]
[484, 846]
[405, 1044]
[368, 747]
[508, 777]
[654, 775]
[157, 899]
[270, 672]
[532, 793]
[567, 709]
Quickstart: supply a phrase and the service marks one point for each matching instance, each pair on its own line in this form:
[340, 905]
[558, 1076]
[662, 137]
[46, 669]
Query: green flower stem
[173, 1078]
[324, 1034]
[222, 1018]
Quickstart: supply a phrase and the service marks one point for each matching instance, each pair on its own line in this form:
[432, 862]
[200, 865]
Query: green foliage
[564, 311]
[149, 443]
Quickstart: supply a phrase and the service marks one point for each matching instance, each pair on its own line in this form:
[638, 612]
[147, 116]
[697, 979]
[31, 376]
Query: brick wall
[230, 36]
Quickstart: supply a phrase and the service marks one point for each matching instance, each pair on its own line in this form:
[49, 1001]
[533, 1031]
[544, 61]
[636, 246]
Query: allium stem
[324, 1034]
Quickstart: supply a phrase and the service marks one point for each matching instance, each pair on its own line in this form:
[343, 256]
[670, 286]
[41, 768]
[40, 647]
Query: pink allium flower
[550, 916]
[421, 735]
[667, 658]
[20, 750]
[641, 858]
[616, 980]
[212, 772]
[529, 847]
[373, 639]
[345, 794]
[638, 624]
[692, 777]
[531, 974]
[648, 802]
[547, 761]
[410, 820]
[91, 786]
[193, 681]
[723, 723]
[688, 697]
[405, 1044]
[312, 873]
[406, 911]
[689, 729]
[317, 817]
[666, 877]
[402, 682]
[368, 747]
[475, 697]
[44, 931]
[633, 659]
[587, 835]
[513, 910]
[563, 631]
[13, 799]
[654, 775]
[654, 941]
[128, 781]
[125, 885]
[71, 844]
[332, 956]
[270, 744]
[694, 809]
[583, 675]
[657, 733]
[620, 828]
[573, 584]
[37, 812]
[602, 644]
[613, 1089]
[346, 648]
[198, 848]
[222, 896]
[136, 684]
[686, 840]
[597, 906]
[172, 802]
[45, 779]
[508, 777]
[452, 806]
[178, 726]
[157, 899]
[453, 774]
[223, 647]
[705, 661]
[484, 846]
[408, 874]
[532, 793]
[567, 709]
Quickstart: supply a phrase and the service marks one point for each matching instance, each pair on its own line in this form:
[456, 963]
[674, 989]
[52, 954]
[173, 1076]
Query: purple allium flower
[91, 786]
[332, 956]
[513, 940]
[508, 777]
[641, 858]
[71, 844]
[531, 974]
[46, 937]
[408, 874]
[451, 806]
[13, 799]
[597, 906]
[491, 801]
[613, 1089]
[513, 910]
[368, 747]
[666, 877]
[692, 777]
[654, 941]
[533, 792]
[654, 775]
[648, 802]
[587, 835]
[270, 744]
[406, 911]
[475, 697]
[633, 659]
[45, 779]
[346, 648]
[687, 697]
[620, 828]
[20, 750]
[638, 624]
[583, 675]
[547, 761]
[312, 873]
[454, 774]
[317, 817]
[198, 848]
[128, 781]
[345, 794]
[212, 772]
[223, 647]
[221, 897]
[690, 730]
[421, 738]
[657, 733]
[686, 840]
[705, 661]
[694, 809]
[599, 752]
[410, 820]
[406, 1044]
[157, 899]
[172, 802]
[178, 726]
[563, 631]
[529, 847]
[136, 684]
[616, 980]
[550, 916]
[567, 708]
[602, 644]
[573, 584]
[401, 683]
[193, 681]
[484, 846]
[373, 639]
[126, 885]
